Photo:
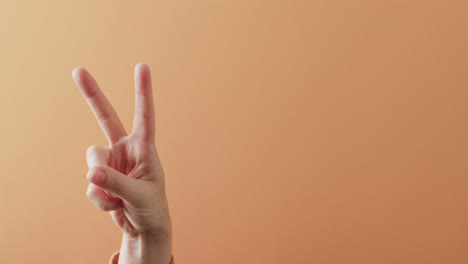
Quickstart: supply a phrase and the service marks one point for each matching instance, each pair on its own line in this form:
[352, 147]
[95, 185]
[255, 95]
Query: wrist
[146, 248]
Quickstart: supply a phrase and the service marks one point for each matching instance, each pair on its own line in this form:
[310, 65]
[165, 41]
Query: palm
[133, 159]
[129, 156]
[134, 155]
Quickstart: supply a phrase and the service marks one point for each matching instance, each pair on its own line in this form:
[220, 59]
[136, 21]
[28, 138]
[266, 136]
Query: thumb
[118, 184]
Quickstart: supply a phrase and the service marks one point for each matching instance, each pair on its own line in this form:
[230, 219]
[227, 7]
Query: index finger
[102, 109]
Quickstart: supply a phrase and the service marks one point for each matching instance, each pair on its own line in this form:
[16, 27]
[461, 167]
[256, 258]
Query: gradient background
[290, 131]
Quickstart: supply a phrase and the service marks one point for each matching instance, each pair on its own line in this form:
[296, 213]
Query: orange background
[290, 131]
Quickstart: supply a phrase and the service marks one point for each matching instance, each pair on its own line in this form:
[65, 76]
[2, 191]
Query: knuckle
[104, 115]
[97, 155]
[144, 115]
[90, 193]
[105, 207]
[114, 184]
[91, 151]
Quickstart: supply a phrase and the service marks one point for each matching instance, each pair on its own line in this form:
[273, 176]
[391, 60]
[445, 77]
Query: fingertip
[142, 79]
[78, 76]
[85, 81]
[142, 65]
[142, 69]
[77, 72]
[97, 176]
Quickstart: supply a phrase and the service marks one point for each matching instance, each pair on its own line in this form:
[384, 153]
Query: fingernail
[98, 177]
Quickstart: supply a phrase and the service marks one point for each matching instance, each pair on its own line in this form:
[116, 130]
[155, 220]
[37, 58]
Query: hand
[126, 178]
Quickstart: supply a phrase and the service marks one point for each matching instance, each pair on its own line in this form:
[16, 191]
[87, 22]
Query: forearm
[146, 249]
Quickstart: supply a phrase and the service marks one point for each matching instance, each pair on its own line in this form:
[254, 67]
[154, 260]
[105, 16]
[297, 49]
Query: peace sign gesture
[126, 178]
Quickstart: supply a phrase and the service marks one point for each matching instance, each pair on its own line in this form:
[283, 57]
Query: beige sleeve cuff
[115, 258]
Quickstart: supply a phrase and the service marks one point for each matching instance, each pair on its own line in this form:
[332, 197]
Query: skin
[126, 178]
